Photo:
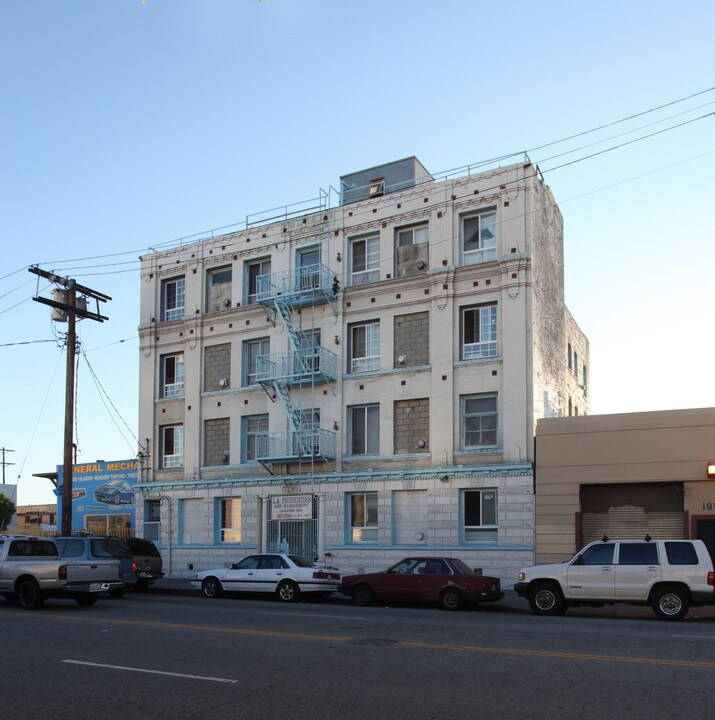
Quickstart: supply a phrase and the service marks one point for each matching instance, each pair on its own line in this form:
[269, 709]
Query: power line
[170, 243]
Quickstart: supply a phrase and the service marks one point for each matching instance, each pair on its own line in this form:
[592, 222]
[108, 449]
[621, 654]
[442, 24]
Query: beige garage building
[624, 475]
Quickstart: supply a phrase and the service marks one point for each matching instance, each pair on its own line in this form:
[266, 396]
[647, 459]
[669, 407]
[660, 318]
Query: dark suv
[147, 561]
[91, 547]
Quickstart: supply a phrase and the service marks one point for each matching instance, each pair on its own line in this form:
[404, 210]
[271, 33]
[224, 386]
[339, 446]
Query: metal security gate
[632, 511]
[295, 537]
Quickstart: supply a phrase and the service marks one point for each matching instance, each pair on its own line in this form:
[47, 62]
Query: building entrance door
[292, 533]
[706, 532]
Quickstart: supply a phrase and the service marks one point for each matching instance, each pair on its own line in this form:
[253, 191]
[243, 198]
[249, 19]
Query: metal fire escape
[285, 376]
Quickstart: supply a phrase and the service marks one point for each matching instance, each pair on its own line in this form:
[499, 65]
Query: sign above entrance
[292, 507]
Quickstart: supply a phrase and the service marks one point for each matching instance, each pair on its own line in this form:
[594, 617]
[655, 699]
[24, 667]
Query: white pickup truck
[31, 570]
[668, 575]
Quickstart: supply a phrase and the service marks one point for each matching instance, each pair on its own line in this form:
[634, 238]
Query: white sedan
[289, 576]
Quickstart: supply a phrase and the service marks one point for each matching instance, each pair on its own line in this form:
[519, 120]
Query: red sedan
[447, 582]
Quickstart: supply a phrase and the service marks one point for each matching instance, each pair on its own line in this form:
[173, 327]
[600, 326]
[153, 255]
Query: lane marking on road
[398, 643]
[152, 672]
[696, 637]
[563, 655]
[331, 617]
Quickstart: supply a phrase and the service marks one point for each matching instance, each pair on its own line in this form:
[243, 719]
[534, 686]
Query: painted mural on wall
[103, 496]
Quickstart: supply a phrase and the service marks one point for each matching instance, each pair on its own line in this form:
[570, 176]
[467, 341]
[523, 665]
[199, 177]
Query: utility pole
[66, 302]
[4, 463]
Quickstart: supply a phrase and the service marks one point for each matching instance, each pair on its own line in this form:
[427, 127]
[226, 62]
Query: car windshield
[299, 561]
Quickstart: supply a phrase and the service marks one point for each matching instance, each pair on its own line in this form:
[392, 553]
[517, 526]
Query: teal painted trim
[443, 549]
[180, 519]
[479, 361]
[237, 546]
[480, 451]
[217, 520]
[375, 475]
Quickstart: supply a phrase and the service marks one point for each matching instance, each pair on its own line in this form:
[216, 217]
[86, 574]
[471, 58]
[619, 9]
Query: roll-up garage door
[632, 511]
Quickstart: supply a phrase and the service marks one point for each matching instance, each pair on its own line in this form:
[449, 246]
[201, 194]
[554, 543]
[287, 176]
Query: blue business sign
[103, 496]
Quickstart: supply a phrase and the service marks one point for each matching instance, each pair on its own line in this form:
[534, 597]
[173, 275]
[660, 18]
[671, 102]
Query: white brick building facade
[424, 329]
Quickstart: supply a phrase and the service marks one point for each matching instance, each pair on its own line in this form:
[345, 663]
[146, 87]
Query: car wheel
[451, 599]
[211, 587]
[546, 599]
[86, 599]
[670, 604]
[288, 591]
[363, 595]
[117, 593]
[30, 596]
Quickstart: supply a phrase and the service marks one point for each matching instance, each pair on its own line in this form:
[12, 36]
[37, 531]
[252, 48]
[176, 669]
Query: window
[645, 553]
[172, 446]
[681, 553]
[600, 554]
[365, 347]
[479, 421]
[585, 381]
[252, 349]
[172, 375]
[254, 286]
[479, 238]
[412, 236]
[152, 511]
[254, 436]
[308, 361]
[480, 515]
[365, 260]
[364, 429]
[479, 332]
[575, 364]
[230, 520]
[570, 357]
[173, 298]
[363, 517]
[218, 289]
[309, 269]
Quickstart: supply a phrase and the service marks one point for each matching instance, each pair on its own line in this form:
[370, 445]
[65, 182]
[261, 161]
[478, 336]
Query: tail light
[522, 576]
[134, 567]
[320, 575]
[62, 572]
[711, 578]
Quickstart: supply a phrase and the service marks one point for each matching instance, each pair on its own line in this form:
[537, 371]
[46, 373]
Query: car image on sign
[115, 492]
[287, 576]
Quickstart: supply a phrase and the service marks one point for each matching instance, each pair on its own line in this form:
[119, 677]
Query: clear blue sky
[126, 124]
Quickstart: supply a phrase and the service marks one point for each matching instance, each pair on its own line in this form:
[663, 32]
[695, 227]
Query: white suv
[669, 575]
